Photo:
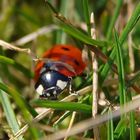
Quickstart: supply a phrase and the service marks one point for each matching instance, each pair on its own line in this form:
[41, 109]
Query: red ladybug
[54, 73]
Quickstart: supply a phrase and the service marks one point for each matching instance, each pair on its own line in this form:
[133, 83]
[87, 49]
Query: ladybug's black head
[51, 83]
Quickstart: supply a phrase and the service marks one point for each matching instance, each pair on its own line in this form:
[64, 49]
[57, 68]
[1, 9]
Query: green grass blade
[110, 131]
[20, 101]
[62, 118]
[104, 71]
[81, 36]
[24, 106]
[71, 106]
[60, 35]
[121, 76]
[66, 26]
[114, 18]
[129, 26]
[5, 70]
[9, 61]
[86, 15]
[120, 128]
[132, 124]
[9, 113]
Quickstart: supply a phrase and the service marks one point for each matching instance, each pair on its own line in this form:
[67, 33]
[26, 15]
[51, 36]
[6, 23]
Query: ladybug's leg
[70, 85]
[71, 90]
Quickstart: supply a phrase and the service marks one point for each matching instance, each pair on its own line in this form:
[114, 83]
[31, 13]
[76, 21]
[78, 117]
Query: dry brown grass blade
[95, 70]
[130, 8]
[95, 78]
[9, 46]
[70, 124]
[34, 35]
[94, 122]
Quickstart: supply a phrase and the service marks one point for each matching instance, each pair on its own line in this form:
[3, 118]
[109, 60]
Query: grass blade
[120, 71]
[67, 27]
[110, 131]
[24, 106]
[86, 15]
[132, 124]
[59, 121]
[61, 36]
[114, 18]
[130, 24]
[81, 36]
[9, 61]
[21, 102]
[104, 71]
[9, 113]
[71, 106]
[120, 128]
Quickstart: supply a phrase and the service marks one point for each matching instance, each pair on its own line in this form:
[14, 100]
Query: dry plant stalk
[130, 48]
[95, 70]
[95, 78]
[70, 124]
[32, 36]
[56, 122]
[6, 45]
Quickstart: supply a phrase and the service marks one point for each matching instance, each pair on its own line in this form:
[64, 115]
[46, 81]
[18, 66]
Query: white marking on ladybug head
[48, 94]
[61, 84]
[48, 76]
[39, 89]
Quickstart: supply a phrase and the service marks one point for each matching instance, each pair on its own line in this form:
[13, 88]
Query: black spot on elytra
[76, 62]
[66, 49]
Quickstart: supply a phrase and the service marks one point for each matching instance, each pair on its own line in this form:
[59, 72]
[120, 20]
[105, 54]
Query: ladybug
[54, 72]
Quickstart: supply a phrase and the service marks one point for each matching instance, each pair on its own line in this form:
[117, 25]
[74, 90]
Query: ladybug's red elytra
[54, 73]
